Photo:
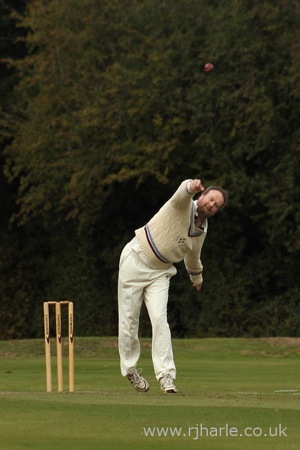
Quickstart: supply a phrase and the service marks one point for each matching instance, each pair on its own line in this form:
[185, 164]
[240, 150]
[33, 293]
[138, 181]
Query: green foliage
[113, 110]
[21, 268]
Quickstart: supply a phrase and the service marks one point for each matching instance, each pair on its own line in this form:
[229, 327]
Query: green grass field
[233, 394]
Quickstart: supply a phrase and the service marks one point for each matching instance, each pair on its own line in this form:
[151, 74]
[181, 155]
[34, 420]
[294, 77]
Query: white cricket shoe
[167, 384]
[137, 381]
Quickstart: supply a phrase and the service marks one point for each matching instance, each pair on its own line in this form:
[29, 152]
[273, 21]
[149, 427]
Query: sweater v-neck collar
[195, 231]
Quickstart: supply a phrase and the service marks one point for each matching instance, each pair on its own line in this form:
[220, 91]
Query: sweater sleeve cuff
[187, 187]
[196, 279]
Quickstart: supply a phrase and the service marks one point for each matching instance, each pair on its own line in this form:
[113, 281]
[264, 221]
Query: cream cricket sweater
[171, 236]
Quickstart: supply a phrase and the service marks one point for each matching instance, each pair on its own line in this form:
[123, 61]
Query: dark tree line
[105, 109]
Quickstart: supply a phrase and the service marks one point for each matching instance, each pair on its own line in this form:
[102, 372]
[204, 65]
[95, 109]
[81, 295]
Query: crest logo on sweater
[181, 240]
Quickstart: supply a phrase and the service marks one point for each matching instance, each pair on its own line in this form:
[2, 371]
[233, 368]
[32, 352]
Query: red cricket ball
[209, 67]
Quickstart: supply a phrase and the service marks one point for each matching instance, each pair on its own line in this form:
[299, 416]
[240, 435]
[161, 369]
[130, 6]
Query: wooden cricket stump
[59, 354]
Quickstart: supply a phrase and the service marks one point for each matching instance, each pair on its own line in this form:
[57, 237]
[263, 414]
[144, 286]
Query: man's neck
[198, 221]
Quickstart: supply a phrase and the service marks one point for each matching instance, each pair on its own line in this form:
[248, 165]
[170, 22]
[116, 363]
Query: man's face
[210, 203]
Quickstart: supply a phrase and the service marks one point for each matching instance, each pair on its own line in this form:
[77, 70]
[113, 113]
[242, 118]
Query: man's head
[212, 200]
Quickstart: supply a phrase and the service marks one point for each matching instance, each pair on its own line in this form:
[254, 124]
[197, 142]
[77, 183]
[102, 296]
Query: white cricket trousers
[137, 283]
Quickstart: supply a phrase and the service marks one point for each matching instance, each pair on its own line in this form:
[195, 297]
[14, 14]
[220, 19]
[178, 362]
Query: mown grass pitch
[233, 394]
